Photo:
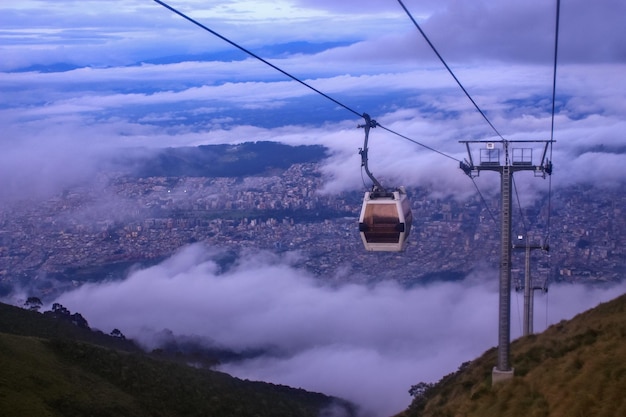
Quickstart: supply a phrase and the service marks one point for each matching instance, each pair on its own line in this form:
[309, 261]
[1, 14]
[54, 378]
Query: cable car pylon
[515, 159]
[385, 219]
[528, 287]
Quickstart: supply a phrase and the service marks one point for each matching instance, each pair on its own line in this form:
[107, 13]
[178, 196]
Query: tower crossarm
[516, 154]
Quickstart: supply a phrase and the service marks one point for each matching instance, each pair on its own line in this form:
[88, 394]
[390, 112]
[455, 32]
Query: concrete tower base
[498, 376]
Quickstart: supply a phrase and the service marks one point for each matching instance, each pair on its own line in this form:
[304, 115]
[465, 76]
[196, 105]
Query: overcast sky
[83, 79]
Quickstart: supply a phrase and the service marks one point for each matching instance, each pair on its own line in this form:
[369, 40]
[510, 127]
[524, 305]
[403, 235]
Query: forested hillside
[53, 367]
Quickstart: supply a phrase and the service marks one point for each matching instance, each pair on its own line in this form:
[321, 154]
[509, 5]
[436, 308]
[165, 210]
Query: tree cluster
[60, 312]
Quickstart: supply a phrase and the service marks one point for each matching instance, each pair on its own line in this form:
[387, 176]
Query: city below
[101, 231]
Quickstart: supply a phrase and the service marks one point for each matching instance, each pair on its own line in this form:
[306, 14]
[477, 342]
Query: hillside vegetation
[53, 368]
[575, 368]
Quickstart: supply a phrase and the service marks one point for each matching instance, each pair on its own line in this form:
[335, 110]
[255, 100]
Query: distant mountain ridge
[246, 159]
[267, 51]
[227, 55]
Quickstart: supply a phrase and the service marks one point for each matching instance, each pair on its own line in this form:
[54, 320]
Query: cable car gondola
[385, 220]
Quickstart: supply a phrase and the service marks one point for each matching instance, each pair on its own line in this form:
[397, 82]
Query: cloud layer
[72, 80]
[366, 344]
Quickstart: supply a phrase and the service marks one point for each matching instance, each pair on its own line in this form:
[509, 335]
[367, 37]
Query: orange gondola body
[385, 220]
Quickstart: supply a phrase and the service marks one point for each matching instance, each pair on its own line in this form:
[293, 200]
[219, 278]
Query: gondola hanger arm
[369, 123]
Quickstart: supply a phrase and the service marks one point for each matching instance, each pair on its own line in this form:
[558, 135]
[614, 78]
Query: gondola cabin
[385, 220]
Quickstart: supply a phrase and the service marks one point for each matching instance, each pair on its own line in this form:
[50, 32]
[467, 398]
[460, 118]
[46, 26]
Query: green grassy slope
[67, 376]
[574, 368]
[35, 382]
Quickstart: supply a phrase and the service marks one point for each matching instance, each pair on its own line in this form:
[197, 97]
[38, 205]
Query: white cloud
[433, 112]
[366, 344]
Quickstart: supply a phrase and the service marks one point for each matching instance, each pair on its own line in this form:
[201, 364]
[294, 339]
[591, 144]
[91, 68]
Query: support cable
[448, 68]
[521, 212]
[556, 53]
[195, 22]
[549, 216]
[432, 46]
[418, 143]
[556, 50]
[252, 54]
[484, 201]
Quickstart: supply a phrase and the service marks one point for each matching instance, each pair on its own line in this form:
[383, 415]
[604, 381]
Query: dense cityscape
[99, 231]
